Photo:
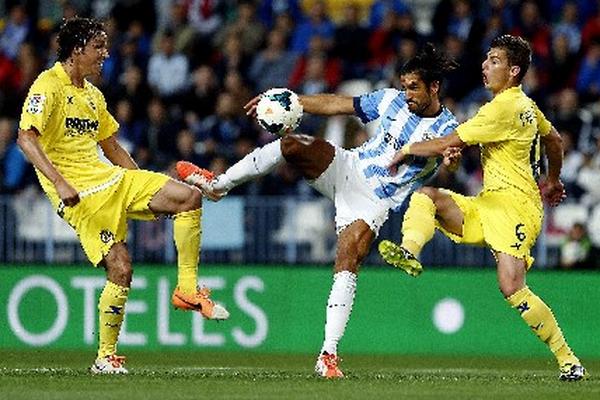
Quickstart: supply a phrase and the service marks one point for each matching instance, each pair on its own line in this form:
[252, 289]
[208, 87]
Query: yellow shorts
[504, 222]
[100, 219]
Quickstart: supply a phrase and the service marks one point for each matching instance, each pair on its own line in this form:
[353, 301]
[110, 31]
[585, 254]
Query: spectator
[200, 98]
[562, 64]
[588, 177]
[534, 29]
[572, 163]
[270, 10]
[317, 24]
[271, 67]
[176, 23]
[132, 87]
[588, 79]
[245, 26]
[168, 70]
[380, 9]
[351, 43]
[232, 57]
[15, 32]
[576, 249]
[568, 27]
[130, 133]
[159, 143]
[331, 68]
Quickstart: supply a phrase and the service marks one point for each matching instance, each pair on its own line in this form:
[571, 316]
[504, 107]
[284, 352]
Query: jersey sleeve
[488, 125]
[542, 122]
[108, 125]
[39, 106]
[368, 107]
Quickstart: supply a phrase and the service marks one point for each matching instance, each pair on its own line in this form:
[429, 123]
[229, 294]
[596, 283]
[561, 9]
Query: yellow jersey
[71, 121]
[508, 130]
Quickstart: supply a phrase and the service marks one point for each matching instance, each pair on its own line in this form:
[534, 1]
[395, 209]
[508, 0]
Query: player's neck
[511, 83]
[73, 72]
[434, 109]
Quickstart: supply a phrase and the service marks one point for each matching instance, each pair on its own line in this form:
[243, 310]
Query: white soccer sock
[339, 307]
[259, 162]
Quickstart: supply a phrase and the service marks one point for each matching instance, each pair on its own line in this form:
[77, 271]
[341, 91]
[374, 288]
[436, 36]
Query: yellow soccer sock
[418, 226]
[541, 320]
[187, 231]
[111, 311]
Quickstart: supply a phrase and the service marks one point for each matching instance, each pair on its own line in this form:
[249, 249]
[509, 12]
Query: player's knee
[509, 288]
[290, 147]
[194, 201]
[118, 265]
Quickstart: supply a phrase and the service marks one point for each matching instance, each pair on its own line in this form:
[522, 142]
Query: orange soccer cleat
[327, 366]
[201, 302]
[202, 178]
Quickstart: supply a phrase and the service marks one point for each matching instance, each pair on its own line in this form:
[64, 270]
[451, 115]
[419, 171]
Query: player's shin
[187, 231]
[111, 311]
[418, 226]
[339, 307]
[259, 162]
[541, 320]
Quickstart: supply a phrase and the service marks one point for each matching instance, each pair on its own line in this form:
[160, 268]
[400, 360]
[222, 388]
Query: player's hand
[553, 192]
[452, 156]
[398, 159]
[250, 107]
[67, 193]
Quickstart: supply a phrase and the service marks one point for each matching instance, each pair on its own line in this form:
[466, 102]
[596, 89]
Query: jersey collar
[62, 75]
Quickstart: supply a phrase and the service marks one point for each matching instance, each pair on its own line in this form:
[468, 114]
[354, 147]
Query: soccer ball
[279, 110]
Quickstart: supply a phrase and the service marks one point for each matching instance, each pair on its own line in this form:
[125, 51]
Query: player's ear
[515, 70]
[434, 87]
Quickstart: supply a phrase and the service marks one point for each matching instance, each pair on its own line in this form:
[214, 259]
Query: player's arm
[554, 190]
[30, 145]
[116, 153]
[429, 148]
[319, 104]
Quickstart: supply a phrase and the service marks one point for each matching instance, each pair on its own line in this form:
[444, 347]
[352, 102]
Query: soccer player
[507, 214]
[63, 120]
[357, 180]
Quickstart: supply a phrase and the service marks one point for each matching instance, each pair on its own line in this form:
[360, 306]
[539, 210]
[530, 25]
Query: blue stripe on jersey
[369, 105]
[358, 110]
[408, 129]
[445, 117]
[389, 189]
[375, 170]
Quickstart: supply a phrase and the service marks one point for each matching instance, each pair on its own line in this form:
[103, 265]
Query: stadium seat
[565, 215]
[307, 222]
[593, 226]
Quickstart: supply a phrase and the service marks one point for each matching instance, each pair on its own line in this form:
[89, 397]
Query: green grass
[199, 375]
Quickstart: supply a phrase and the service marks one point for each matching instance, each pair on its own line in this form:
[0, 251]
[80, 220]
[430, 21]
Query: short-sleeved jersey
[397, 126]
[70, 121]
[508, 130]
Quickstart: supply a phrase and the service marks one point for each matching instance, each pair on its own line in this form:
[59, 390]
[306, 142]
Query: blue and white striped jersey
[397, 127]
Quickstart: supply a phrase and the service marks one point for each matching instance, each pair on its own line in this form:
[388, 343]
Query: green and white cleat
[400, 258]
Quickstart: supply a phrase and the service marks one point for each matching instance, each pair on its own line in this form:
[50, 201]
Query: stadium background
[178, 74]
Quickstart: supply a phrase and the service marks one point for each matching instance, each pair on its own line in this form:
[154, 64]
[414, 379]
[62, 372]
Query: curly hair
[518, 52]
[429, 64]
[75, 33]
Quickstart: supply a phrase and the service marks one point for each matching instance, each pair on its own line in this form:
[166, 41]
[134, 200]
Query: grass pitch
[198, 375]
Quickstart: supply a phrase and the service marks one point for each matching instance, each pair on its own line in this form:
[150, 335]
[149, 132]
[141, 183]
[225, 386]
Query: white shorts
[344, 183]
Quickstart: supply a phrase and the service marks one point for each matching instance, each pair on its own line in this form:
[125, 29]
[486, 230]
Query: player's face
[93, 55]
[419, 97]
[496, 70]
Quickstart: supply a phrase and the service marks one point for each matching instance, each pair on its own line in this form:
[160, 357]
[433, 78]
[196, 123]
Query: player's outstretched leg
[399, 257]
[541, 320]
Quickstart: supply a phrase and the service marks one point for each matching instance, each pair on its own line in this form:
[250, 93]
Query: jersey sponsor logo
[527, 117]
[36, 103]
[80, 126]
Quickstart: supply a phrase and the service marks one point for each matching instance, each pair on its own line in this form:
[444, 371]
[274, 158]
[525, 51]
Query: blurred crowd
[180, 71]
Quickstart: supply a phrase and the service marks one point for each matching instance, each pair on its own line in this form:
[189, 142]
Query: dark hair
[429, 64]
[76, 33]
[518, 52]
